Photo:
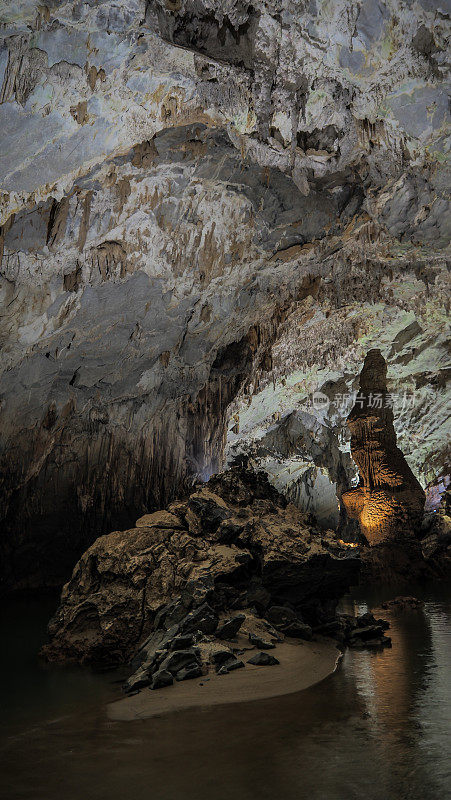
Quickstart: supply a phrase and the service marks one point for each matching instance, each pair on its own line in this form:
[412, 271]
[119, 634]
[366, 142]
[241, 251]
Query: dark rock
[203, 619]
[190, 671]
[288, 622]
[179, 659]
[366, 633]
[260, 643]
[365, 619]
[230, 665]
[280, 616]
[206, 512]
[256, 595]
[162, 678]
[263, 660]
[348, 621]
[299, 630]
[233, 663]
[424, 42]
[149, 649]
[221, 656]
[272, 631]
[230, 628]
[172, 614]
[245, 487]
[243, 558]
[329, 628]
[139, 680]
[182, 642]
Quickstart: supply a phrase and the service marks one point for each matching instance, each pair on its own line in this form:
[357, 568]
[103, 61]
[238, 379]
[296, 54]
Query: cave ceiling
[210, 208]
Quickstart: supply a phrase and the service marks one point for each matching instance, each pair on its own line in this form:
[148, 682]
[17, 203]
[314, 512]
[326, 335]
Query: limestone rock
[389, 500]
[121, 582]
[155, 595]
[160, 519]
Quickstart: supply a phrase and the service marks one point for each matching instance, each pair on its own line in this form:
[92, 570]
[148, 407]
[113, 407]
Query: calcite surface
[177, 180]
[388, 501]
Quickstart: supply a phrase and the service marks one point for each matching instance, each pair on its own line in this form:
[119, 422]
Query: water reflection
[378, 729]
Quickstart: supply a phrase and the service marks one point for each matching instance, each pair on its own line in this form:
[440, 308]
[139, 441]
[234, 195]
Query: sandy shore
[302, 664]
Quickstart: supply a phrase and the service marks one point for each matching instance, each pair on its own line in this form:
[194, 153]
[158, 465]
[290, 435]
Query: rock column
[389, 501]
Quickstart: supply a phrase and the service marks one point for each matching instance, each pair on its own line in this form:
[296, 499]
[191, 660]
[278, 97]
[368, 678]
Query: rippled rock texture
[233, 547]
[388, 501]
[179, 182]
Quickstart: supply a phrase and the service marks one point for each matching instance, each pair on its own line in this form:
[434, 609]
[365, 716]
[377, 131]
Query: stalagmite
[389, 501]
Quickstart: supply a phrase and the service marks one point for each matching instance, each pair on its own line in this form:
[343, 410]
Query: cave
[224, 404]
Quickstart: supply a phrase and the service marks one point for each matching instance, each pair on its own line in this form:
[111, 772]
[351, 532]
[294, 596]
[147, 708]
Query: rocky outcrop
[388, 501]
[233, 559]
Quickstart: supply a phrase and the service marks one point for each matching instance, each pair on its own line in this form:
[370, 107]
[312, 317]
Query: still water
[379, 728]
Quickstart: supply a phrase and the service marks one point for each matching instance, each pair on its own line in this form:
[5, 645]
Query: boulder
[162, 678]
[182, 642]
[203, 619]
[178, 659]
[189, 672]
[230, 665]
[139, 680]
[287, 621]
[230, 628]
[138, 592]
[263, 660]
[260, 643]
[206, 511]
[109, 606]
[219, 657]
[367, 632]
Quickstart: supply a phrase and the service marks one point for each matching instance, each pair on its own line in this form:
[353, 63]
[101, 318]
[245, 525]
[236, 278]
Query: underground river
[377, 728]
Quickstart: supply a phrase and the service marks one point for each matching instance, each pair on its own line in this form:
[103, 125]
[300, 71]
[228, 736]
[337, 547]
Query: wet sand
[302, 664]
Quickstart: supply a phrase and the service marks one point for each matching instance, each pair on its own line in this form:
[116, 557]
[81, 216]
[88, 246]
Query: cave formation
[200, 208]
[389, 501]
[212, 213]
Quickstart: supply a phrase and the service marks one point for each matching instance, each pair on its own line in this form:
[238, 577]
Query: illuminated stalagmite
[388, 500]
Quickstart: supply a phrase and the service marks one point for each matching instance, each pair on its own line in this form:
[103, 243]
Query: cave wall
[175, 179]
[314, 380]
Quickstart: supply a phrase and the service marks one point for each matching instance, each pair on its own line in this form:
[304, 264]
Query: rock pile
[363, 631]
[232, 568]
